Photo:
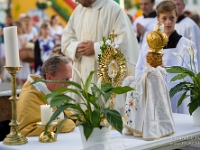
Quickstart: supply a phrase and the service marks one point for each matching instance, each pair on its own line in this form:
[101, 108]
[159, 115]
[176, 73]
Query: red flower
[131, 104]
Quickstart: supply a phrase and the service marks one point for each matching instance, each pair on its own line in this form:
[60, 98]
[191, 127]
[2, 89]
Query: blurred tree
[128, 4]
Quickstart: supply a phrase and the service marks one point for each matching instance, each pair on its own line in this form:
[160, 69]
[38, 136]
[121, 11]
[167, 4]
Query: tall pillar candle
[46, 113]
[11, 46]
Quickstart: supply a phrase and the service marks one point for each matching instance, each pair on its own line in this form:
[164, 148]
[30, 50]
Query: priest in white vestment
[144, 24]
[148, 112]
[81, 39]
[188, 28]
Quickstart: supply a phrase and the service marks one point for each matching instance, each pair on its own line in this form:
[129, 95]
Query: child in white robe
[148, 112]
[167, 14]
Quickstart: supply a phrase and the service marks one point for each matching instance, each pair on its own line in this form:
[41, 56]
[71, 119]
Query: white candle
[11, 46]
[46, 113]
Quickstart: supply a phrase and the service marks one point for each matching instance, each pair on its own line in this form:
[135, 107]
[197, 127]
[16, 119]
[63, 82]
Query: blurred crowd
[194, 16]
[43, 42]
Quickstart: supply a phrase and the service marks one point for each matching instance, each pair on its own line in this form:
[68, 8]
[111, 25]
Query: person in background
[167, 14]
[21, 17]
[30, 30]
[23, 43]
[196, 19]
[2, 55]
[56, 29]
[8, 22]
[187, 13]
[82, 37]
[131, 18]
[186, 27]
[31, 96]
[43, 46]
[144, 24]
[57, 50]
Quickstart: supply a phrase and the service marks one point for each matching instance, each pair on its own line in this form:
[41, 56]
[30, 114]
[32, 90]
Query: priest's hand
[86, 48]
[140, 29]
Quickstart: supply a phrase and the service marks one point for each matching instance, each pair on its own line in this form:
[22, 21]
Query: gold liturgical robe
[28, 109]
[92, 23]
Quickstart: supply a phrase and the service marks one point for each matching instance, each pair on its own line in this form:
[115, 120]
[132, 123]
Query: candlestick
[14, 137]
[46, 113]
[11, 46]
[48, 136]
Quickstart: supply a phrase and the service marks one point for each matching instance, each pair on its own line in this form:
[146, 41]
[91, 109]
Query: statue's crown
[156, 39]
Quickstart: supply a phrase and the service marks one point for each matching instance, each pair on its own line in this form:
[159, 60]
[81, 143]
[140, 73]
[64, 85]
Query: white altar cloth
[186, 133]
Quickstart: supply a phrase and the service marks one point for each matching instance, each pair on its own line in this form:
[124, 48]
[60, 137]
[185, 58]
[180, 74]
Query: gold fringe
[150, 139]
[133, 130]
[146, 139]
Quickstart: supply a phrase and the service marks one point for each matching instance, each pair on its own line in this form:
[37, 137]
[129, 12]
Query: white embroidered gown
[148, 112]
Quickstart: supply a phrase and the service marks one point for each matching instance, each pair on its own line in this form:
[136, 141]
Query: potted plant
[94, 115]
[190, 82]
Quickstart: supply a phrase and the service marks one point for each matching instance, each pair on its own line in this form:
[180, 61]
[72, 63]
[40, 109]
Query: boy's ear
[158, 19]
[176, 18]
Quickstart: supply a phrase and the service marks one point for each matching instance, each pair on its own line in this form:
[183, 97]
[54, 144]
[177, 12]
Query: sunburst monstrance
[112, 63]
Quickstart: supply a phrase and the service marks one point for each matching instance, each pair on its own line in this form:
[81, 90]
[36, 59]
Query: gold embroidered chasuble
[28, 110]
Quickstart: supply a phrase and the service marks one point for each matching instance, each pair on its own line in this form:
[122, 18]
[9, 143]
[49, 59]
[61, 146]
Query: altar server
[144, 24]
[187, 28]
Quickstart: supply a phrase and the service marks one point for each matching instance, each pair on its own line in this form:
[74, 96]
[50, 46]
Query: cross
[113, 35]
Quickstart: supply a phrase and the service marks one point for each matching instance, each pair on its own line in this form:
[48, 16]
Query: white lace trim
[128, 80]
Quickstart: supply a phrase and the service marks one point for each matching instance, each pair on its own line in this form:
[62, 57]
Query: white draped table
[186, 134]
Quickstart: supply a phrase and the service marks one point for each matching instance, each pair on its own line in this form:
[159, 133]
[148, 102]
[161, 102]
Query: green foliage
[190, 78]
[179, 69]
[192, 83]
[62, 12]
[41, 5]
[114, 118]
[90, 116]
[103, 47]
[128, 4]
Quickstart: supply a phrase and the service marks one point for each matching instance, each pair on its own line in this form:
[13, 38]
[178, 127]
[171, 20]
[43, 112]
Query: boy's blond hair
[166, 6]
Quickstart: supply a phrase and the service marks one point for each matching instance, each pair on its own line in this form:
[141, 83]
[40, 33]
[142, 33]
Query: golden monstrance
[112, 64]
